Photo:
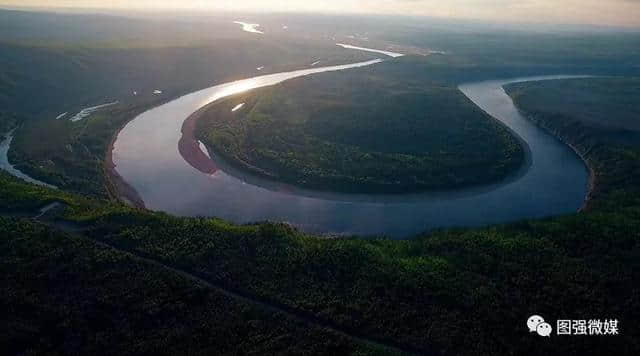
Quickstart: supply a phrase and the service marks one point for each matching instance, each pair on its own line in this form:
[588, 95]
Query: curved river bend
[146, 156]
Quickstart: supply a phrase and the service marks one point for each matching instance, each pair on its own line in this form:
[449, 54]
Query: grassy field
[364, 130]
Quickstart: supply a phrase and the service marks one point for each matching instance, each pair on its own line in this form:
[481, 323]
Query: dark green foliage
[364, 130]
[71, 155]
[66, 295]
[463, 292]
[608, 103]
[16, 196]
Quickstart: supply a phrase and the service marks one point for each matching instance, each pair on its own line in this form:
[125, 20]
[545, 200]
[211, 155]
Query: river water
[5, 145]
[146, 155]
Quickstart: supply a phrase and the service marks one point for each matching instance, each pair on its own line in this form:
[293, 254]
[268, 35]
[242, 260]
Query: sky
[596, 12]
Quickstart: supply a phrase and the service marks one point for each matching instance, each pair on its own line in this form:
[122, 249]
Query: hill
[365, 130]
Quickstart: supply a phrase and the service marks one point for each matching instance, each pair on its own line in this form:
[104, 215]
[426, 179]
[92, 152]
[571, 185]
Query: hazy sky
[602, 12]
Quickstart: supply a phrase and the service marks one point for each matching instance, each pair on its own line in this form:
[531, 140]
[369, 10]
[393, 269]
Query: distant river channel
[554, 181]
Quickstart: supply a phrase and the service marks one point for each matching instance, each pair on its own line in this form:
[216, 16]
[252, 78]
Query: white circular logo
[533, 322]
[544, 329]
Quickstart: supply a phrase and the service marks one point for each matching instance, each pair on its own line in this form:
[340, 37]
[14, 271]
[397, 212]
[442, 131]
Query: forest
[363, 131]
[94, 275]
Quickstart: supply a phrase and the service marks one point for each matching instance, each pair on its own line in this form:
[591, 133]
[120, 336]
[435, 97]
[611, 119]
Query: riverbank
[584, 114]
[189, 145]
[117, 188]
[579, 150]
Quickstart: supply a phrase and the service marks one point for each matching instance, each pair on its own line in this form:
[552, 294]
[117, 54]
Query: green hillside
[366, 130]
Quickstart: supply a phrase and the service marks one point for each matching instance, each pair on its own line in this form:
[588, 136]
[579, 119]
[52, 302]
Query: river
[146, 156]
[5, 145]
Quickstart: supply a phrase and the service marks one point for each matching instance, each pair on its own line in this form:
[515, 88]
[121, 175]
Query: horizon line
[97, 10]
